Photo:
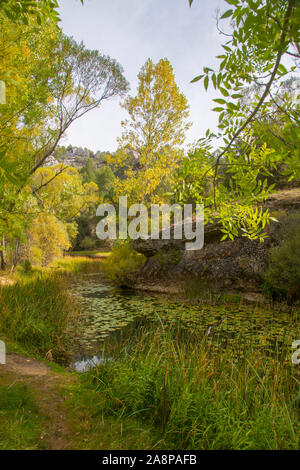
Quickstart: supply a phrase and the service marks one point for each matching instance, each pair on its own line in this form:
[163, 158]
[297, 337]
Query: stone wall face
[235, 265]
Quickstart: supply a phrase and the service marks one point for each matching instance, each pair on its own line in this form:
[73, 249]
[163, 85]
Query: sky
[131, 31]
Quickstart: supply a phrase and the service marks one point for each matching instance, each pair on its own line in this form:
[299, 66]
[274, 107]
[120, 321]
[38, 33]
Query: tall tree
[149, 148]
[43, 99]
[88, 171]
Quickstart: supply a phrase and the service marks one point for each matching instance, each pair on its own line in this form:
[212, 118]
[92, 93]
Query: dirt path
[45, 385]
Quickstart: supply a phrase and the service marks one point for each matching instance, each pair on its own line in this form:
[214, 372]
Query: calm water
[112, 315]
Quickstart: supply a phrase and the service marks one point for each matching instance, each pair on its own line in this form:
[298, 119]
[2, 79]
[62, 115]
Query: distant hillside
[75, 157]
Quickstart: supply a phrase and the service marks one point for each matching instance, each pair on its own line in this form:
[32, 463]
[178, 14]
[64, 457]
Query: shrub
[27, 266]
[48, 238]
[282, 277]
[170, 257]
[123, 264]
[88, 243]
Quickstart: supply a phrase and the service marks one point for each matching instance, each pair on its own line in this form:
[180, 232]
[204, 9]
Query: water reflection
[88, 363]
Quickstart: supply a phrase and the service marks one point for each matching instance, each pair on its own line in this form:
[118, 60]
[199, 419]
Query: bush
[282, 277]
[168, 258]
[27, 266]
[88, 243]
[48, 238]
[123, 264]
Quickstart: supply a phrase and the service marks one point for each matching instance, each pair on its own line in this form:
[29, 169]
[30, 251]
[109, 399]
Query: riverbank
[156, 396]
[164, 389]
[46, 407]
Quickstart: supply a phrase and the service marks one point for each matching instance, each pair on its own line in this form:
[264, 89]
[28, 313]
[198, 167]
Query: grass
[95, 253]
[79, 264]
[95, 430]
[20, 414]
[158, 393]
[36, 313]
[37, 309]
[193, 400]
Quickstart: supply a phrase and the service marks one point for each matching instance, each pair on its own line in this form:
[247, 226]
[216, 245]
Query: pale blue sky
[131, 31]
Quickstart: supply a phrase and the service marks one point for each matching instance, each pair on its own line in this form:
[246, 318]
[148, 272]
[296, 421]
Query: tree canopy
[150, 146]
[43, 98]
[261, 51]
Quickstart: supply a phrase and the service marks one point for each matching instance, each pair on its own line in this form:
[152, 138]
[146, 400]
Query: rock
[51, 161]
[229, 265]
[234, 264]
[288, 199]
[149, 247]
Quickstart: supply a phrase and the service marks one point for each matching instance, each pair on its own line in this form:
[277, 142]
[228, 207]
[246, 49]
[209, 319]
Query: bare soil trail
[46, 386]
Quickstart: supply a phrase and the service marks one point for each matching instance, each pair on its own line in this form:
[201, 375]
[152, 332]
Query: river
[111, 316]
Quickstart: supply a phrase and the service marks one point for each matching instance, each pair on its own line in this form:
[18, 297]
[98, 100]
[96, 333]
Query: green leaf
[233, 2]
[282, 68]
[220, 101]
[214, 79]
[206, 82]
[196, 79]
[227, 14]
[223, 91]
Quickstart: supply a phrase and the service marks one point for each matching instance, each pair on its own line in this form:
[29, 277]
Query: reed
[37, 310]
[196, 399]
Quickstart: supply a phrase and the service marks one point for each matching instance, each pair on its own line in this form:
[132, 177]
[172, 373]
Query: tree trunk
[3, 260]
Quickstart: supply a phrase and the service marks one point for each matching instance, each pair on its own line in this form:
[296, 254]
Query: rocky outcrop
[288, 200]
[234, 266]
[75, 157]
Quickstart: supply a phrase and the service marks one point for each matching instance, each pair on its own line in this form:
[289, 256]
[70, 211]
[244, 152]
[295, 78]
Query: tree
[47, 238]
[264, 33]
[24, 66]
[49, 95]
[59, 191]
[18, 13]
[105, 180]
[82, 80]
[58, 198]
[149, 148]
[43, 99]
[23, 11]
[88, 171]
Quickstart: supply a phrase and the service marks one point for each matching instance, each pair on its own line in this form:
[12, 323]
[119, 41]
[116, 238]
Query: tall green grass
[198, 400]
[35, 314]
[79, 264]
[37, 311]
[20, 422]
